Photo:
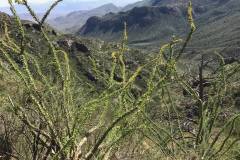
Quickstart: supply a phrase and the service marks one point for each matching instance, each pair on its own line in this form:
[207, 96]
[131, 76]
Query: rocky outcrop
[73, 46]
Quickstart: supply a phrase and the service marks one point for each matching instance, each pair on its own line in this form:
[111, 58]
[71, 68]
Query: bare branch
[49, 11]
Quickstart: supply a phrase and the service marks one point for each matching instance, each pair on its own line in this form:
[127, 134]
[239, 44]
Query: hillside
[82, 51]
[218, 29]
[158, 20]
[75, 20]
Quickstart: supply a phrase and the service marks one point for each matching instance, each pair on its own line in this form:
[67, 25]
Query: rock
[74, 46]
[65, 43]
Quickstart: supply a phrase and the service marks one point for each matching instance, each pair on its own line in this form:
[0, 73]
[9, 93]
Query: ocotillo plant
[60, 123]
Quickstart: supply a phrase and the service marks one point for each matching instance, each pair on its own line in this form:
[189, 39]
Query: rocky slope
[82, 51]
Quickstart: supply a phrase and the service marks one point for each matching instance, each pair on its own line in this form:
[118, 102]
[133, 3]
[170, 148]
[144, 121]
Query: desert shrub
[60, 119]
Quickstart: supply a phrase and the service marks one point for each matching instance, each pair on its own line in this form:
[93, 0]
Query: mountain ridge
[155, 31]
[74, 20]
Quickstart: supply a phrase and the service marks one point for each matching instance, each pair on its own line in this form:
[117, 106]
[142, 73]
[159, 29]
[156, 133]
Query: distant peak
[108, 5]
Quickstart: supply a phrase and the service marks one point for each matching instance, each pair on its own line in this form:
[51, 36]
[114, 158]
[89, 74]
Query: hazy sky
[4, 3]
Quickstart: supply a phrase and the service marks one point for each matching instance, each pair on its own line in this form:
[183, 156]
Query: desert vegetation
[157, 110]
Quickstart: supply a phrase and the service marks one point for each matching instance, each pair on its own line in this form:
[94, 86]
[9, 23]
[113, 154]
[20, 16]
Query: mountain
[136, 4]
[75, 20]
[147, 19]
[157, 20]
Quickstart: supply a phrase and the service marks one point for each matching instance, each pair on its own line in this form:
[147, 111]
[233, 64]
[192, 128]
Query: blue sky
[3, 3]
